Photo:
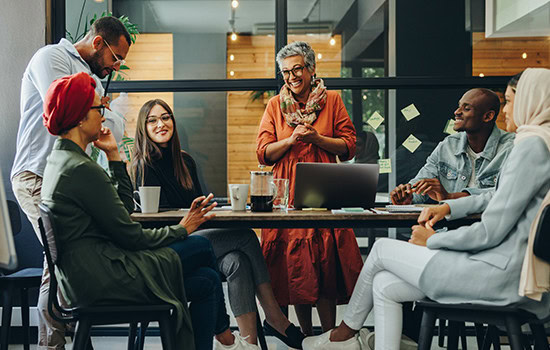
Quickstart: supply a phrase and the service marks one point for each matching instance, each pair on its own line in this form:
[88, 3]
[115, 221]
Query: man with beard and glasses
[99, 53]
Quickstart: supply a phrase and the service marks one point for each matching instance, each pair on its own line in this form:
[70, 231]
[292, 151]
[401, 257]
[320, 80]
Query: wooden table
[296, 219]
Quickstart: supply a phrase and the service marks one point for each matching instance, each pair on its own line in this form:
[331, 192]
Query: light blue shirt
[481, 263]
[449, 163]
[34, 142]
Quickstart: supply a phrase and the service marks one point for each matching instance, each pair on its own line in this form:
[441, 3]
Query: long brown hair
[146, 150]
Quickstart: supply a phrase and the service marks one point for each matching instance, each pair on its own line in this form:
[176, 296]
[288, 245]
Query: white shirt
[34, 142]
[472, 156]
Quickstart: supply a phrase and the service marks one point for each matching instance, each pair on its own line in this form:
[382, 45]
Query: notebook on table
[335, 186]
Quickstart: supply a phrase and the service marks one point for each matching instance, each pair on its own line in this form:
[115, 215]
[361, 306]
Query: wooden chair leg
[513, 328]
[452, 335]
[441, 332]
[82, 334]
[426, 330]
[539, 336]
[462, 333]
[132, 336]
[260, 331]
[7, 304]
[25, 318]
[166, 333]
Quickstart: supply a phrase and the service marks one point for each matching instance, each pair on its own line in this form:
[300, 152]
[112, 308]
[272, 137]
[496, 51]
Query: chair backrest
[47, 231]
[541, 246]
[15, 217]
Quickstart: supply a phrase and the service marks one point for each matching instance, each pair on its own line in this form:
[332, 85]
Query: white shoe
[366, 338]
[239, 344]
[322, 342]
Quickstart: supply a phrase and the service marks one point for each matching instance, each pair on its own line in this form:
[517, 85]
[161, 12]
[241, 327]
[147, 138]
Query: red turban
[67, 102]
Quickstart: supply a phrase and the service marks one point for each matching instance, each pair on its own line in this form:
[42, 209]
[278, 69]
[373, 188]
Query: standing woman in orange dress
[307, 123]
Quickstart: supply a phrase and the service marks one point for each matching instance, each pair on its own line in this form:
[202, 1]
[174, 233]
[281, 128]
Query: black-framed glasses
[296, 71]
[101, 109]
[153, 120]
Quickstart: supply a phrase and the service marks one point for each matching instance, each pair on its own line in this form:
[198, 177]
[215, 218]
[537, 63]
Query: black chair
[507, 316]
[89, 316]
[19, 281]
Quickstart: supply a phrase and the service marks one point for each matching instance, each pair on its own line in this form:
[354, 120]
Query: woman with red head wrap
[105, 257]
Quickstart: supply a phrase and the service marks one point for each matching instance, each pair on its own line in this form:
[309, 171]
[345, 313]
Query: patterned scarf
[294, 115]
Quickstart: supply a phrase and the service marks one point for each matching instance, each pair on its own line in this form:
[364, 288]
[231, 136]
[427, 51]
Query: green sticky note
[411, 143]
[449, 127]
[385, 166]
[410, 112]
[375, 120]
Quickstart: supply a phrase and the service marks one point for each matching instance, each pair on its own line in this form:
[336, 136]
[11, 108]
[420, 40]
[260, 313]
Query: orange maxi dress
[305, 264]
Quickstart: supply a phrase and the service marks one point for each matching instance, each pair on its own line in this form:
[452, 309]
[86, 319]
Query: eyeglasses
[101, 109]
[118, 62]
[154, 119]
[296, 71]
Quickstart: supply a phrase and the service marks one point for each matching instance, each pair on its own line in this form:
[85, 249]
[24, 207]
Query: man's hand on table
[401, 195]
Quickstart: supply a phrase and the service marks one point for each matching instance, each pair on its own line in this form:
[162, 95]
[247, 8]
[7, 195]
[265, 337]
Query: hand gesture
[106, 141]
[420, 234]
[432, 188]
[105, 102]
[310, 135]
[197, 213]
[429, 216]
[402, 194]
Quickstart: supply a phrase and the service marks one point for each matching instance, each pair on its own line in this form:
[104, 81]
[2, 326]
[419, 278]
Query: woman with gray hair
[307, 123]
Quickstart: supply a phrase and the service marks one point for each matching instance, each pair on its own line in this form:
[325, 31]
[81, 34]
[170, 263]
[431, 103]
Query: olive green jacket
[105, 257]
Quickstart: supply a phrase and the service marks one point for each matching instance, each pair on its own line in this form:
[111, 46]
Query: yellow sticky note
[449, 127]
[385, 166]
[375, 120]
[412, 143]
[410, 112]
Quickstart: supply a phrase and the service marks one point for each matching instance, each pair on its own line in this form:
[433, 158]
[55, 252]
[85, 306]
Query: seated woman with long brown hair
[104, 256]
[159, 161]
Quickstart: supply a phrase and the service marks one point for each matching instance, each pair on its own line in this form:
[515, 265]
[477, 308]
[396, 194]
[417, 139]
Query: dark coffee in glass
[261, 203]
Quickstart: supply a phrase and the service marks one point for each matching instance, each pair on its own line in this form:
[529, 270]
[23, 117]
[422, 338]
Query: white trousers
[390, 276]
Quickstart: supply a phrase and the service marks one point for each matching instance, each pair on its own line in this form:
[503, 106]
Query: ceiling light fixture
[332, 41]
[234, 4]
[233, 36]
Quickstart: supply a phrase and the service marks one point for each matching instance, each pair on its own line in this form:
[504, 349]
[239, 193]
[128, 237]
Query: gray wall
[22, 24]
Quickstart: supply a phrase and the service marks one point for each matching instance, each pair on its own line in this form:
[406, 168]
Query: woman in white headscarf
[481, 263]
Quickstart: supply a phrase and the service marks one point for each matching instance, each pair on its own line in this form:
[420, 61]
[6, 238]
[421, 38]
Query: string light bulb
[481, 75]
[233, 36]
[332, 41]
[232, 73]
[231, 57]
[319, 56]
[524, 55]
[234, 4]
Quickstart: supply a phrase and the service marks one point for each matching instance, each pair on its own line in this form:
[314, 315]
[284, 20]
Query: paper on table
[384, 166]
[403, 208]
[411, 143]
[410, 112]
[375, 120]
[449, 127]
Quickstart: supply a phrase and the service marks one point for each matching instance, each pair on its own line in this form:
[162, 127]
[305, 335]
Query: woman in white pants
[481, 263]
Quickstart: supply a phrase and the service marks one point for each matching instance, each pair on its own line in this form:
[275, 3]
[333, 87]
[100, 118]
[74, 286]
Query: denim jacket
[449, 163]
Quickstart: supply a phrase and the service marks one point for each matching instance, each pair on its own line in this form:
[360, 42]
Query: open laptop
[335, 186]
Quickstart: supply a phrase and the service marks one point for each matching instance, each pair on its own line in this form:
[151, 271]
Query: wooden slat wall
[150, 58]
[254, 57]
[503, 56]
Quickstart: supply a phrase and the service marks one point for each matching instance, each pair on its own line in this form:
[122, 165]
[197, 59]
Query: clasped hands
[304, 133]
[403, 194]
[427, 219]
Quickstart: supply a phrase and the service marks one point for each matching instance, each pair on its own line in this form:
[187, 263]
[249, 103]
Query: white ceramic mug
[149, 197]
[238, 193]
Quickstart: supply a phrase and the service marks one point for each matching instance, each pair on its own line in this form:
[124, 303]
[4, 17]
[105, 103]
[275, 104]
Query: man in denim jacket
[467, 162]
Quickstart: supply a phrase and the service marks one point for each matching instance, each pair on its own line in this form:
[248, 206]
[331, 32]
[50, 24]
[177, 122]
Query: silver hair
[297, 48]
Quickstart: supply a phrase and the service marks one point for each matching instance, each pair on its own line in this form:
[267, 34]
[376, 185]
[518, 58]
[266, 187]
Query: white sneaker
[322, 342]
[239, 344]
[366, 338]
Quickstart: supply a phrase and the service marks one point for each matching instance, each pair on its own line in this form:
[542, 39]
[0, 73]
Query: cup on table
[149, 197]
[238, 193]
[280, 198]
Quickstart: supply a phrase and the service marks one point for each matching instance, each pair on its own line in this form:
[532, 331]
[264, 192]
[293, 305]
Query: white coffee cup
[149, 197]
[238, 193]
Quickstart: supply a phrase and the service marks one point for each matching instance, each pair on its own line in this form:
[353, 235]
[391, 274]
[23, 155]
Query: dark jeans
[203, 288]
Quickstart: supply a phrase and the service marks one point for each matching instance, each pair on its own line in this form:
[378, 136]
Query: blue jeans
[203, 288]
